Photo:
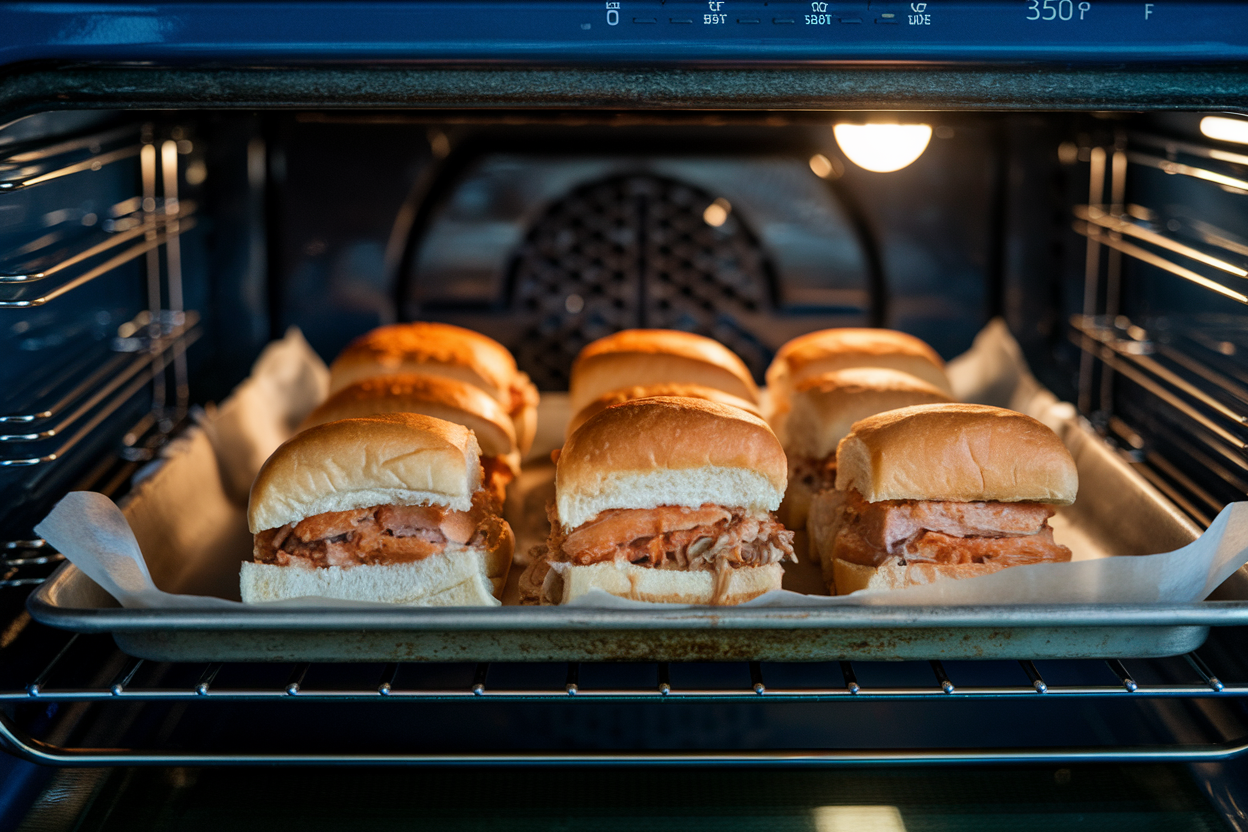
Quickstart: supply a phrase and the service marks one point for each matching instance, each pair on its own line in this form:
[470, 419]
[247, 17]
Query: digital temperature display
[671, 32]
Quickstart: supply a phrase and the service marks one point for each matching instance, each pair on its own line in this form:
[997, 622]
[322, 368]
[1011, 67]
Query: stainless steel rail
[1139, 352]
[1205, 684]
[21, 745]
[136, 225]
[1199, 403]
[113, 395]
[33, 405]
[1113, 240]
[28, 168]
[101, 384]
[93, 248]
[154, 239]
[1175, 146]
[1193, 171]
[1225, 437]
[1100, 216]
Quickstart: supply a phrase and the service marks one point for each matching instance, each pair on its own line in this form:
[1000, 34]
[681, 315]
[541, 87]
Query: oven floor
[1135, 798]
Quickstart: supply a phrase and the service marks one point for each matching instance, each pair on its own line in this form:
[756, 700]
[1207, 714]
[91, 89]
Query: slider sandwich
[636, 357]
[668, 499]
[824, 409]
[443, 350]
[442, 398]
[829, 350]
[941, 491]
[644, 391]
[385, 508]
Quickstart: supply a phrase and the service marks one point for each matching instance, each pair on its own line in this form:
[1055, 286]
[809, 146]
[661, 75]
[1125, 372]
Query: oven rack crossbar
[121, 688]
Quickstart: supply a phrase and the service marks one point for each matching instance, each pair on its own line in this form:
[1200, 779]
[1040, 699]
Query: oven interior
[147, 257]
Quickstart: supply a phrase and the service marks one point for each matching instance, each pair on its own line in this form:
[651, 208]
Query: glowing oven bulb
[1225, 129]
[882, 147]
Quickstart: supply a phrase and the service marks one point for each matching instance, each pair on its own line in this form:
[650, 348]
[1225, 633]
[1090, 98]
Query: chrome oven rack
[88, 383]
[124, 681]
[1190, 374]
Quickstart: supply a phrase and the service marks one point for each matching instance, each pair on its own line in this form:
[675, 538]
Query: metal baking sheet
[1118, 513]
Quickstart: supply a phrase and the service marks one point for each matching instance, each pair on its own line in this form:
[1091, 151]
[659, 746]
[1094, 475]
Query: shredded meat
[815, 474]
[380, 535]
[931, 531]
[674, 537]
[496, 476]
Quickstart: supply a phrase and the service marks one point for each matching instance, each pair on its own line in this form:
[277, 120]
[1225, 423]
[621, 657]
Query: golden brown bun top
[825, 407]
[400, 347]
[956, 452]
[669, 451]
[645, 391]
[436, 396]
[657, 356]
[854, 347]
[391, 459]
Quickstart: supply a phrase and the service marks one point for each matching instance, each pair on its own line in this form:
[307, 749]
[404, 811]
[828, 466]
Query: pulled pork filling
[380, 535]
[932, 531]
[815, 474]
[674, 537]
[495, 477]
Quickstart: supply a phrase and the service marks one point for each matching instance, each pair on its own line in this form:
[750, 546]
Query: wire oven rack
[127, 681]
[117, 683]
[1188, 371]
[91, 385]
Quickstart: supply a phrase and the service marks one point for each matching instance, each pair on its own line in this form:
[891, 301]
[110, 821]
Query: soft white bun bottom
[735, 487]
[851, 577]
[459, 577]
[566, 582]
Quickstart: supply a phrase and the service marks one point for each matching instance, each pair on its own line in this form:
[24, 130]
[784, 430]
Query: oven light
[882, 147]
[1225, 129]
[716, 214]
[858, 819]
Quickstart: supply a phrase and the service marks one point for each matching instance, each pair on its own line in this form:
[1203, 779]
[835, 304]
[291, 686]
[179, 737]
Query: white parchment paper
[179, 538]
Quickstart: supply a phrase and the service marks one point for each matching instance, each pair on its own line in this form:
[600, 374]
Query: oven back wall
[548, 236]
